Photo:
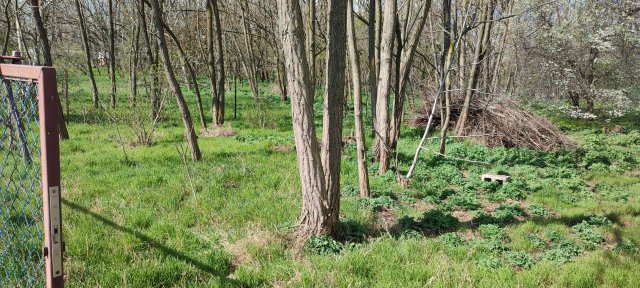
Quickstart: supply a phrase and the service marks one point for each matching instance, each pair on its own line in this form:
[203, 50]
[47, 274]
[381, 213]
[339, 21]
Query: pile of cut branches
[504, 124]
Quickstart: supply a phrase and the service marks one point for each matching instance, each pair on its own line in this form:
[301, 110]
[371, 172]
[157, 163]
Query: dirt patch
[219, 131]
[386, 221]
[282, 148]
[489, 206]
[462, 216]
[254, 239]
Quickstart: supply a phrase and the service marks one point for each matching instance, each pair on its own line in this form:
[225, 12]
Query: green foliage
[538, 210]
[350, 191]
[323, 245]
[377, 203]
[452, 240]
[562, 252]
[588, 235]
[520, 259]
[465, 201]
[493, 232]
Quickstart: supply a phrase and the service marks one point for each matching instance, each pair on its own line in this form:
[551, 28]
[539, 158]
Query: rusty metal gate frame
[45, 77]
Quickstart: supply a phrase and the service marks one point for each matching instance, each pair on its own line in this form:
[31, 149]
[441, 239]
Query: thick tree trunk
[87, 53]
[361, 147]
[384, 85]
[314, 215]
[189, 132]
[218, 108]
[112, 54]
[333, 102]
[152, 59]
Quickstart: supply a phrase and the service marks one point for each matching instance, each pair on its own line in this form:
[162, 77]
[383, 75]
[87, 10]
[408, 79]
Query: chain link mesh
[21, 227]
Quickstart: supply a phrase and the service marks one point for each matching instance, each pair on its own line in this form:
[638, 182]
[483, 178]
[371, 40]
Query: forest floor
[140, 216]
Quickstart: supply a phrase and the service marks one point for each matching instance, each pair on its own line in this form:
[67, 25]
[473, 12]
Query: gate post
[50, 143]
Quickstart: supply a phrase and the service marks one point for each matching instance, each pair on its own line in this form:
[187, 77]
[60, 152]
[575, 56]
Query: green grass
[144, 223]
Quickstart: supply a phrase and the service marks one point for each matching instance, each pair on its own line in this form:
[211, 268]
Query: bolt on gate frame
[30, 202]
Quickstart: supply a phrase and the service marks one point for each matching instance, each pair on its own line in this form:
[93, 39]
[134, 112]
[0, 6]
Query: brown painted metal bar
[50, 143]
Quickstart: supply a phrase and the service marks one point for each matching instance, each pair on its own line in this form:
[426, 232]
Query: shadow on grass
[223, 275]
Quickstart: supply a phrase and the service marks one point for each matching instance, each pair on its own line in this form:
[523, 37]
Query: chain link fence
[21, 218]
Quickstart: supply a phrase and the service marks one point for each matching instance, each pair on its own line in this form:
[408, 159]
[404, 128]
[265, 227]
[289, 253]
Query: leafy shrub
[482, 218]
[520, 259]
[515, 189]
[436, 222]
[612, 193]
[555, 236]
[588, 235]
[493, 232]
[490, 186]
[536, 241]
[323, 245]
[599, 221]
[538, 210]
[562, 252]
[508, 213]
[350, 191]
[465, 201]
[594, 156]
[375, 204]
[627, 246]
[491, 262]
[431, 200]
[452, 240]
[599, 167]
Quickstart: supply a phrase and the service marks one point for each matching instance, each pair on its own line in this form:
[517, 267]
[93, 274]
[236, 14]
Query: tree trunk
[133, 65]
[314, 215]
[87, 52]
[408, 54]
[189, 132]
[361, 146]
[48, 61]
[447, 54]
[191, 74]
[218, 107]
[250, 63]
[333, 101]
[373, 71]
[7, 36]
[484, 36]
[152, 58]
[311, 40]
[384, 85]
[112, 54]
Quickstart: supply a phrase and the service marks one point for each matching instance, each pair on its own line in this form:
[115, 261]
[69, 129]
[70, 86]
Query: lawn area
[146, 218]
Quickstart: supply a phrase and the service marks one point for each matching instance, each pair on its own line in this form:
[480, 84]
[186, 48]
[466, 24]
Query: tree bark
[373, 71]
[218, 105]
[7, 36]
[333, 103]
[191, 73]
[361, 146]
[112, 54]
[152, 58]
[311, 40]
[87, 53]
[314, 216]
[189, 132]
[384, 85]
[408, 54]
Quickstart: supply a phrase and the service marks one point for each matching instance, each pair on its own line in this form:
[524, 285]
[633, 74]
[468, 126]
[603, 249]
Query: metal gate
[31, 244]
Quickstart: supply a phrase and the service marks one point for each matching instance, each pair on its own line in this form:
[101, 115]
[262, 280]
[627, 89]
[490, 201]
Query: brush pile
[504, 124]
